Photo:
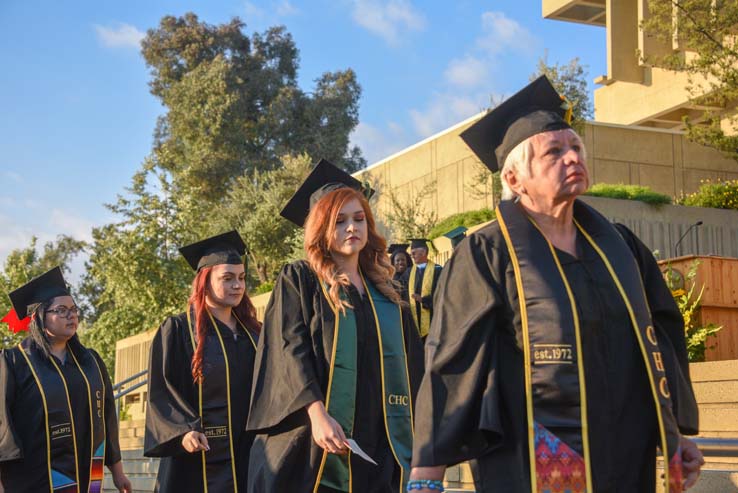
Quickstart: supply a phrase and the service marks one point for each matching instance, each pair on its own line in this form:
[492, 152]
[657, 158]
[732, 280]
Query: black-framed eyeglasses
[64, 311]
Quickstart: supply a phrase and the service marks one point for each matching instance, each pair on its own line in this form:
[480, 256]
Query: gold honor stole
[61, 437]
[340, 402]
[426, 289]
[554, 372]
[216, 421]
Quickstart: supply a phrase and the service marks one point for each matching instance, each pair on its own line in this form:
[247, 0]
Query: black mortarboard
[226, 248]
[534, 109]
[323, 179]
[456, 235]
[397, 247]
[418, 243]
[42, 288]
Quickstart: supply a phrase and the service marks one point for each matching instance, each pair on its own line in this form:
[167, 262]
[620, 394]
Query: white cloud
[13, 176]
[285, 8]
[388, 19]
[469, 77]
[46, 226]
[445, 110]
[120, 36]
[253, 10]
[77, 227]
[466, 72]
[501, 33]
[378, 143]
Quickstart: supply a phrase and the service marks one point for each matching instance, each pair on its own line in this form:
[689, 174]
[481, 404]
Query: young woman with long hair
[58, 424]
[339, 359]
[200, 376]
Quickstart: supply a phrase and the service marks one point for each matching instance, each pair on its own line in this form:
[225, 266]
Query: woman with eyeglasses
[58, 424]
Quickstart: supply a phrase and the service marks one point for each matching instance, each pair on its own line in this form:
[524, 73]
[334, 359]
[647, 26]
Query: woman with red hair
[200, 376]
[339, 359]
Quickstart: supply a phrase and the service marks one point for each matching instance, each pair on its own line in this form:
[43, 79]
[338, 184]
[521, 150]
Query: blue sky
[76, 117]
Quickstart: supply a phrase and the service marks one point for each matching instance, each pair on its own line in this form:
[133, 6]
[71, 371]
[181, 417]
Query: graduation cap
[226, 248]
[418, 243]
[456, 235]
[397, 247]
[534, 109]
[323, 179]
[42, 288]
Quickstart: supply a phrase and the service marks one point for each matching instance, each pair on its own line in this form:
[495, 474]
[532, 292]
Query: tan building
[632, 92]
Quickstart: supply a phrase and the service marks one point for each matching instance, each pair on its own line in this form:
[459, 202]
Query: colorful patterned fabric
[675, 472]
[96, 471]
[559, 469]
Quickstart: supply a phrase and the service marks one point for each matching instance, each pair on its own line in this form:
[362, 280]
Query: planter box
[719, 304]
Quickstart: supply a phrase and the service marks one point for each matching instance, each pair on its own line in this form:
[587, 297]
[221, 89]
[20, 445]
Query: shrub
[688, 302]
[719, 195]
[467, 219]
[263, 288]
[628, 192]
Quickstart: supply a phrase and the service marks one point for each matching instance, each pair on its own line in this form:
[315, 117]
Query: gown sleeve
[458, 413]
[669, 325]
[169, 414]
[10, 446]
[285, 376]
[112, 445]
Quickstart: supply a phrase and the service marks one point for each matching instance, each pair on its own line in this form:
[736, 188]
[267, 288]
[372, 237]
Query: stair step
[722, 419]
[717, 392]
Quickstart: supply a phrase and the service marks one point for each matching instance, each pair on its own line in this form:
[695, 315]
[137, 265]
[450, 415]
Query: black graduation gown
[23, 455]
[292, 368]
[401, 284]
[173, 402]
[471, 404]
[426, 301]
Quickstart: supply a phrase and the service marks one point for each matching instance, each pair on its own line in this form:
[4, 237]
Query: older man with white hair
[556, 358]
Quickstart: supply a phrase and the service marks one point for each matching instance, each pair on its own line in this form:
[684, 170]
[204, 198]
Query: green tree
[234, 106]
[705, 33]
[24, 264]
[408, 216]
[135, 277]
[253, 208]
[570, 80]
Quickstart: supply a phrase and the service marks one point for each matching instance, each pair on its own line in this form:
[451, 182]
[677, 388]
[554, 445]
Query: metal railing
[717, 447]
[126, 391]
[129, 379]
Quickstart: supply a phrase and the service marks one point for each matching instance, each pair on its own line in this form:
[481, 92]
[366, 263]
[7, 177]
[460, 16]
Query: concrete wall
[660, 227]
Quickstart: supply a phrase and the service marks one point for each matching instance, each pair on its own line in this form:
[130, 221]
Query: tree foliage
[253, 208]
[24, 264]
[408, 216]
[705, 33]
[570, 80]
[135, 277]
[234, 106]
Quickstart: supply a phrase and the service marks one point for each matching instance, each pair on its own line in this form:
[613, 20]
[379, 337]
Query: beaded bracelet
[431, 484]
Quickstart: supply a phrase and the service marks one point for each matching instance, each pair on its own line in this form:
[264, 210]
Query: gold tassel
[569, 109]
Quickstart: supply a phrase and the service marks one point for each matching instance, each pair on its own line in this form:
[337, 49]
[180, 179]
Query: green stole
[216, 422]
[554, 373]
[61, 437]
[340, 402]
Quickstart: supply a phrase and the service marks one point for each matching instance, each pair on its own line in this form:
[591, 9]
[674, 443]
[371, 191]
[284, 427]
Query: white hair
[518, 162]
